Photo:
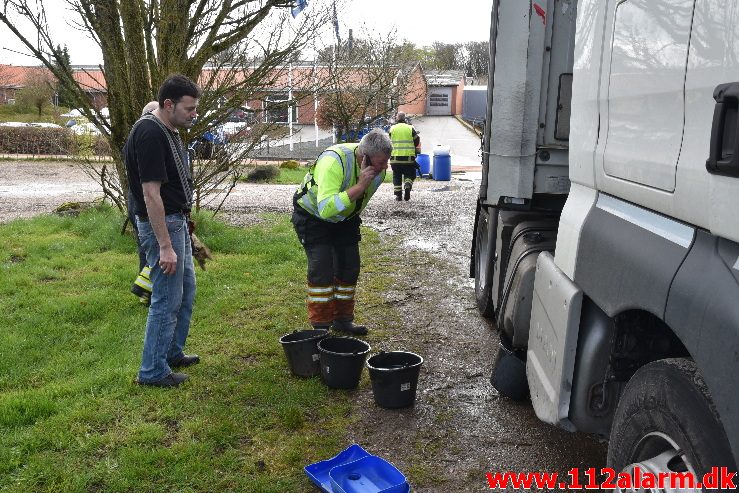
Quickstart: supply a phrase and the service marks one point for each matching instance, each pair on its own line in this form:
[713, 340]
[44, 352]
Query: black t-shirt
[149, 158]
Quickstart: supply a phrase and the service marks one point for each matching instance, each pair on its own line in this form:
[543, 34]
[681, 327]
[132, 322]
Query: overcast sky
[419, 21]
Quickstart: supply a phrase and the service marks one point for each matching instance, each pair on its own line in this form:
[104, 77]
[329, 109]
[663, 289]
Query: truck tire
[666, 422]
[484, 264]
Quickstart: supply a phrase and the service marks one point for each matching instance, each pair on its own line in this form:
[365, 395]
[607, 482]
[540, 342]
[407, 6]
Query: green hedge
[50, 141]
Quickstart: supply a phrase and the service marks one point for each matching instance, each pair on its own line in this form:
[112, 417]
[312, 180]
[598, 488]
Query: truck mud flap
[552, 345]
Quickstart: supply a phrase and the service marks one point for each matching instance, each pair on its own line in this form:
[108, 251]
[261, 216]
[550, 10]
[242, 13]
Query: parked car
[85, 129]
[44, 125]
[382, 123]
[231, 129]
[34, 124]
[206, 146]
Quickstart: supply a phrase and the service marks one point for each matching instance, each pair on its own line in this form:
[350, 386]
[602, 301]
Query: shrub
[34, 140]
[101, 147]
[290, 164]
[91, 146]
[51, 141]
[263, 173]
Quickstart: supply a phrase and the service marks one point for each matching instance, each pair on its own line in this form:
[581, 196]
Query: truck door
[644, 102]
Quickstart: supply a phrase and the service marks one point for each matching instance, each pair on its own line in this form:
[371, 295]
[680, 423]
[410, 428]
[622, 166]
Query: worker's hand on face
[168, 260]
[368, 172]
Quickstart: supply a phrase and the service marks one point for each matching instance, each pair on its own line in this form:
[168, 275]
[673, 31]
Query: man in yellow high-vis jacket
[326, 210]
[406, 146]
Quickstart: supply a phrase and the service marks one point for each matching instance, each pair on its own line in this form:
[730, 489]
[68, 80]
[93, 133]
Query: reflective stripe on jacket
[401, 134]
[323, 191]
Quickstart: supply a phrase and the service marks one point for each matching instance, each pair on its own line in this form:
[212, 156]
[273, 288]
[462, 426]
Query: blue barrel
[424, 162]
[442, 167]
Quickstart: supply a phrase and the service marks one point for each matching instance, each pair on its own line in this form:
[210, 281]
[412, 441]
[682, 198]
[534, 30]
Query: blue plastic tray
[369, 474]
[318, 472]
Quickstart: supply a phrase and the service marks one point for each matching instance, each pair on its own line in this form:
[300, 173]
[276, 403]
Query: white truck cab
[606, 240]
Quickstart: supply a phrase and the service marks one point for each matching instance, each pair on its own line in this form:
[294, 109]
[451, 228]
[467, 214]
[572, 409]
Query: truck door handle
[724, 153]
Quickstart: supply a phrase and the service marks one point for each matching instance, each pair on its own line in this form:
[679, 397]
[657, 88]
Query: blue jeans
[172, 298]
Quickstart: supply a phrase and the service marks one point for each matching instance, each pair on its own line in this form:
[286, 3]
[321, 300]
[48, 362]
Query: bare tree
[366, 83]
[143, 41]
[448, 56]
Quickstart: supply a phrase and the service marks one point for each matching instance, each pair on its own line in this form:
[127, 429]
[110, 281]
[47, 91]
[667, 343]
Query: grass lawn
[290, 176]
[13, 113]
[71, 418]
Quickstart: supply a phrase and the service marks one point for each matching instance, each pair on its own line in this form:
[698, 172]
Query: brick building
[15, 77]
[428, 92]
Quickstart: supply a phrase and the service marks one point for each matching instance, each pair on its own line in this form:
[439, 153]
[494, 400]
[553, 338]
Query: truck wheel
[666, 422]
[484, 264]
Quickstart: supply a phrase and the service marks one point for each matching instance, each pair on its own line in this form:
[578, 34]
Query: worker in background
[326, 210]
[406, 146]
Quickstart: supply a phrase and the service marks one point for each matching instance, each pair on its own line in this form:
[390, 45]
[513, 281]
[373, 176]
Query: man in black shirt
[161, 185]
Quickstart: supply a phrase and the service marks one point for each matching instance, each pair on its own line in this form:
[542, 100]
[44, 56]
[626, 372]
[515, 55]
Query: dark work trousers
[403, 176]
[333, 266]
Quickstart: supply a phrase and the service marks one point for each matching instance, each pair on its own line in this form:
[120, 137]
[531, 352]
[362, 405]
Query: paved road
[448, 131]
[434, 130]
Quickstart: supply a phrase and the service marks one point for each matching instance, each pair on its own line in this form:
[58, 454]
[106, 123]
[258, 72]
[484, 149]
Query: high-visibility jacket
[323, 191]
[401, 134]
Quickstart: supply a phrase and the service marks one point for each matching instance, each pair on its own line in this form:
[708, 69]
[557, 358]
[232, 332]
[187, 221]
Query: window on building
[276, 107]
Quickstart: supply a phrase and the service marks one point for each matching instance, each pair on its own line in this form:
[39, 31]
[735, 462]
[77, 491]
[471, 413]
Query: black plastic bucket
[301, 349]
[394, 377]
[342, 360]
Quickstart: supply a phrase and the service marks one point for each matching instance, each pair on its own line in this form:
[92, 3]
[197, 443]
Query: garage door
[439, 101]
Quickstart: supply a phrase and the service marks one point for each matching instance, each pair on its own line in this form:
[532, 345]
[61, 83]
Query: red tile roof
[93, 79]
[16, 77]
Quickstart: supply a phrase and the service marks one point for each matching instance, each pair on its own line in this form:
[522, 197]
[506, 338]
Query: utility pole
[289, 102]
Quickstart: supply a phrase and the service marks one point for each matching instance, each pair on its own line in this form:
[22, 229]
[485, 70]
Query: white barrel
[441, 150]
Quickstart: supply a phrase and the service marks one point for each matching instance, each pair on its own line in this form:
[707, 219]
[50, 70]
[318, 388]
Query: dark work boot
[184, 361]
[407, 194]
[171, 380]
[349, 327]
[398, 196]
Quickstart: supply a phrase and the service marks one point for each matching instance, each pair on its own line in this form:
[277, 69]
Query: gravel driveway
[459, 428]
